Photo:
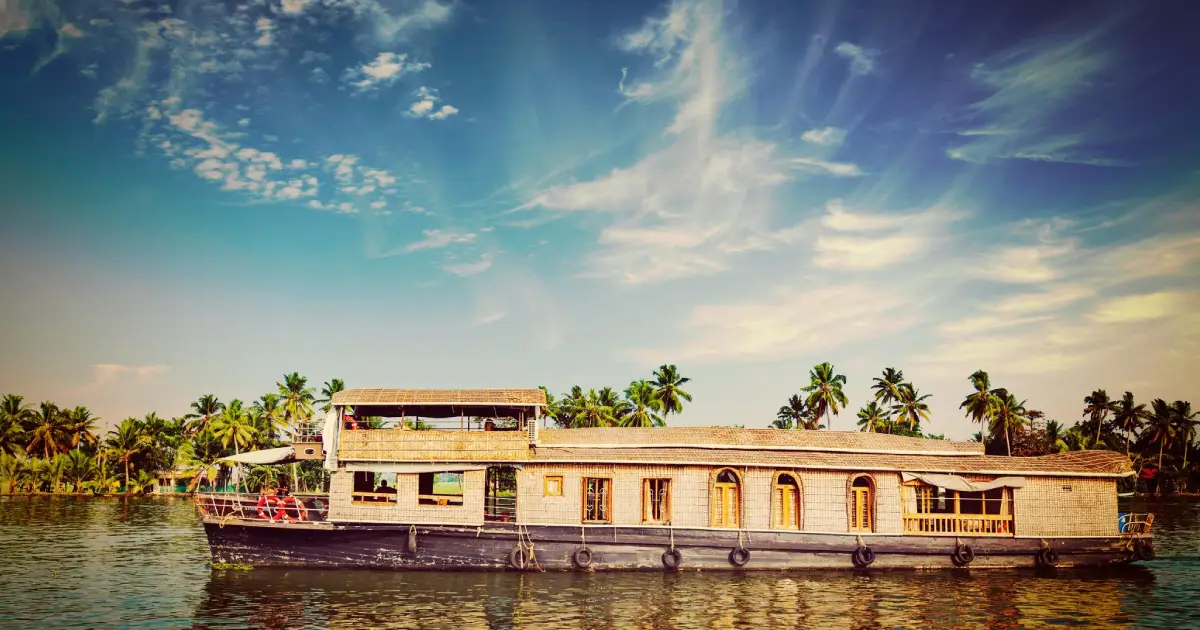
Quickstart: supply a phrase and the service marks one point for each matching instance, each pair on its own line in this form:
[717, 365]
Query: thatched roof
[755, 439]
[445, 397]
[1077, 463]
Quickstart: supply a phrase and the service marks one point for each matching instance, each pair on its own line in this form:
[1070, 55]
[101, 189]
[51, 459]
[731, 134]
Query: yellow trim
[546, 482]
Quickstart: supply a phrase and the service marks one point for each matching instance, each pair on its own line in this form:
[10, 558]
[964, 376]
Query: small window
[862, 504]
[785, 502]
[444, 488]
[552, 485]
[597, 500]
[656, 501]
[371, 488]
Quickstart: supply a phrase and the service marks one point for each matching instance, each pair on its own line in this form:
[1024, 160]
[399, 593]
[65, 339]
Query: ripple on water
[143, 563]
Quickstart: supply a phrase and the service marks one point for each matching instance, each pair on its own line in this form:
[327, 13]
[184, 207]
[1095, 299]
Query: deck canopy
[442, 403]
[267, 456]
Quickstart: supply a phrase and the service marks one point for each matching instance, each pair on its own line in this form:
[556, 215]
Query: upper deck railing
[262, 507]
[417, 446]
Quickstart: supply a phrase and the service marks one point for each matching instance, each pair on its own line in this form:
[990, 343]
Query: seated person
[384, 488]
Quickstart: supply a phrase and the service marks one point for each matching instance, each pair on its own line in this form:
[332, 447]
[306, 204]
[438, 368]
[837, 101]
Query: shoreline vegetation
[47, 449]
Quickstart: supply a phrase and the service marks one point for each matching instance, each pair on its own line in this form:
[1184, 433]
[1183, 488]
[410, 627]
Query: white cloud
[426, 106]
[107, 374]
[310, 57]
[825, 136]
[385, 69]
[1141, 308]
[471, 269]
[435, 239]
[70, 30]
[860, 240]
[266, 30]
[390, 27]
[837, 169]
[862, 60]
[295, 7]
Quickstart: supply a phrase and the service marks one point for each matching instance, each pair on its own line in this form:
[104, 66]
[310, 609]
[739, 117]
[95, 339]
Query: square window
[552, 485]
[656, 501]
[597, 500]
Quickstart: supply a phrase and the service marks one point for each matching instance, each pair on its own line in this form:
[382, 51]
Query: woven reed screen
[1045, 507]
[396, 445]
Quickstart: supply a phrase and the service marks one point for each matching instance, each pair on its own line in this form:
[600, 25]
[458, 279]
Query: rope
[672, 530]
[225, 519]
[582, 536]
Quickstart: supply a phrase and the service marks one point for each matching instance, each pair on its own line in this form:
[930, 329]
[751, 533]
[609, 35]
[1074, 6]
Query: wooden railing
[373, 498]
[970, 524]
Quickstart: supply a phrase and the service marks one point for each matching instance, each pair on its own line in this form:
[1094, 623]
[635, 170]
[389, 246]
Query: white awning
[954, 482]
[268, 456]
[413, 469]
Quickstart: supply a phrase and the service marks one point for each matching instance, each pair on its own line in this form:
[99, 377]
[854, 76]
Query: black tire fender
[1047, 557]
[863, 557]
[1144, 550]
[518, 558]
[671, 559]
[582, 557]
[963, 555]
[739, 556]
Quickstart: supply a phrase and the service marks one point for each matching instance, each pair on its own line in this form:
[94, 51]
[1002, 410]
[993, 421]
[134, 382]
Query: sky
[199, 196]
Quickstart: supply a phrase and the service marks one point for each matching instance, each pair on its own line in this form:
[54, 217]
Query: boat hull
[368, 546]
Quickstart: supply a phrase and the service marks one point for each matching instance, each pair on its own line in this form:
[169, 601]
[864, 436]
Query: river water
[71, 563]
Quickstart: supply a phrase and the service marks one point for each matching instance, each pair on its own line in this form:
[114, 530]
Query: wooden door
[725, 504]
[860, 509]
[787, 513]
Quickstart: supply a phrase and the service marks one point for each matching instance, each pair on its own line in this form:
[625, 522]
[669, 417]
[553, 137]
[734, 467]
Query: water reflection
[470, 601]
[86, 563]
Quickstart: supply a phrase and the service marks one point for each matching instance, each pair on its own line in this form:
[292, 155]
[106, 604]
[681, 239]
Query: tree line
[1158, 437]
[48, 448]
[645, 403]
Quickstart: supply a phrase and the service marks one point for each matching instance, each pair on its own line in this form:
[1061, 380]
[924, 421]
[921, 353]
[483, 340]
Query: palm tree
[81, 425]
[204, 409]
[912, 406]
[794, 414]
[269, 406]
[14, 415]
[825, 392]
[1185, 429]
[297, 399]
[1129, 417]
[234, 426]
[1006, 414]
[1097, 406]
[887, 387]
[330, 388]
[1160, 427]
[591, 412]
[552, 408]
[668, 389]
[49, 432]
[78, 468]
[643, 405]
[125, 442]
[1054, 437]
[873, 418]
[979, 402]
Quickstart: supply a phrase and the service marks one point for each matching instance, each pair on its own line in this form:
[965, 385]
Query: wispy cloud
[426, 106]
[862, 60]
[825, 136]
[472, 268]
[109, 374]
[435, 239]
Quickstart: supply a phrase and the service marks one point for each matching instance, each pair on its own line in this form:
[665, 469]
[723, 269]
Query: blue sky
[201, 196]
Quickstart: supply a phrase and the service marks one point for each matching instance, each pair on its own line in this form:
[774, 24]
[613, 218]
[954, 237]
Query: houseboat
[471, 479]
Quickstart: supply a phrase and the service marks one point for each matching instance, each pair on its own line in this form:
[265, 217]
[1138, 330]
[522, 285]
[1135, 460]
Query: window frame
[872, 504]
[546, 480]
[739, 485]
[607, 505]
[647, 482]
[799, 507]
[433, 499]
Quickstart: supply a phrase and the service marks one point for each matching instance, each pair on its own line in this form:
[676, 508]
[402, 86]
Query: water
[143, 563]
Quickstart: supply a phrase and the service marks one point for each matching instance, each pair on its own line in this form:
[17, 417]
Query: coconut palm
[825, 392]
[1097, 406]
[234, 426]
[81, 425]
[887, 386]
[1185, 428]
[1129, 417]
[911, 407]
[330, 388]
[78, 468]
[873, 418]
[126, 441]
[50, 433]
[204, 408]
[592, 412]
[794, 414]
[297, 398]
[14, 415]
[1006, 414]
[1160, 427]
[979, 402]
[643, 405]
[668, 387]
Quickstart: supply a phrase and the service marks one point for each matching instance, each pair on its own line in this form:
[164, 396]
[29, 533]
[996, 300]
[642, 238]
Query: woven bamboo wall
[1044, 508]
[823, 507]
[395, 445]
[406, 509]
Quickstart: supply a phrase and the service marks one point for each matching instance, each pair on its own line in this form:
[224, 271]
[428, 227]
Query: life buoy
[1047, 557]
[268, 505]
[289, 505]
[582, 558]
[1143, 549]
[518, 558]
[739, 556]
[963, 555]
[671, 559]
[863, 557]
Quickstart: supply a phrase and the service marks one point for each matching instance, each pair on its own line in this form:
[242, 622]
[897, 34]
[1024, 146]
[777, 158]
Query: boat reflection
[495, 601]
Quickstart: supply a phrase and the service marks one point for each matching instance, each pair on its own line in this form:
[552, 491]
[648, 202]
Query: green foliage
[644, 403]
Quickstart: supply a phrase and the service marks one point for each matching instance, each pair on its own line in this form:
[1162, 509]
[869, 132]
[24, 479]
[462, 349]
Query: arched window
[860, 503]
[726, 498]
[786, 502]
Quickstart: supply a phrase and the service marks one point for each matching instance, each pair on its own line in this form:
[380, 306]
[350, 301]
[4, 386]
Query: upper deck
[503, 425]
